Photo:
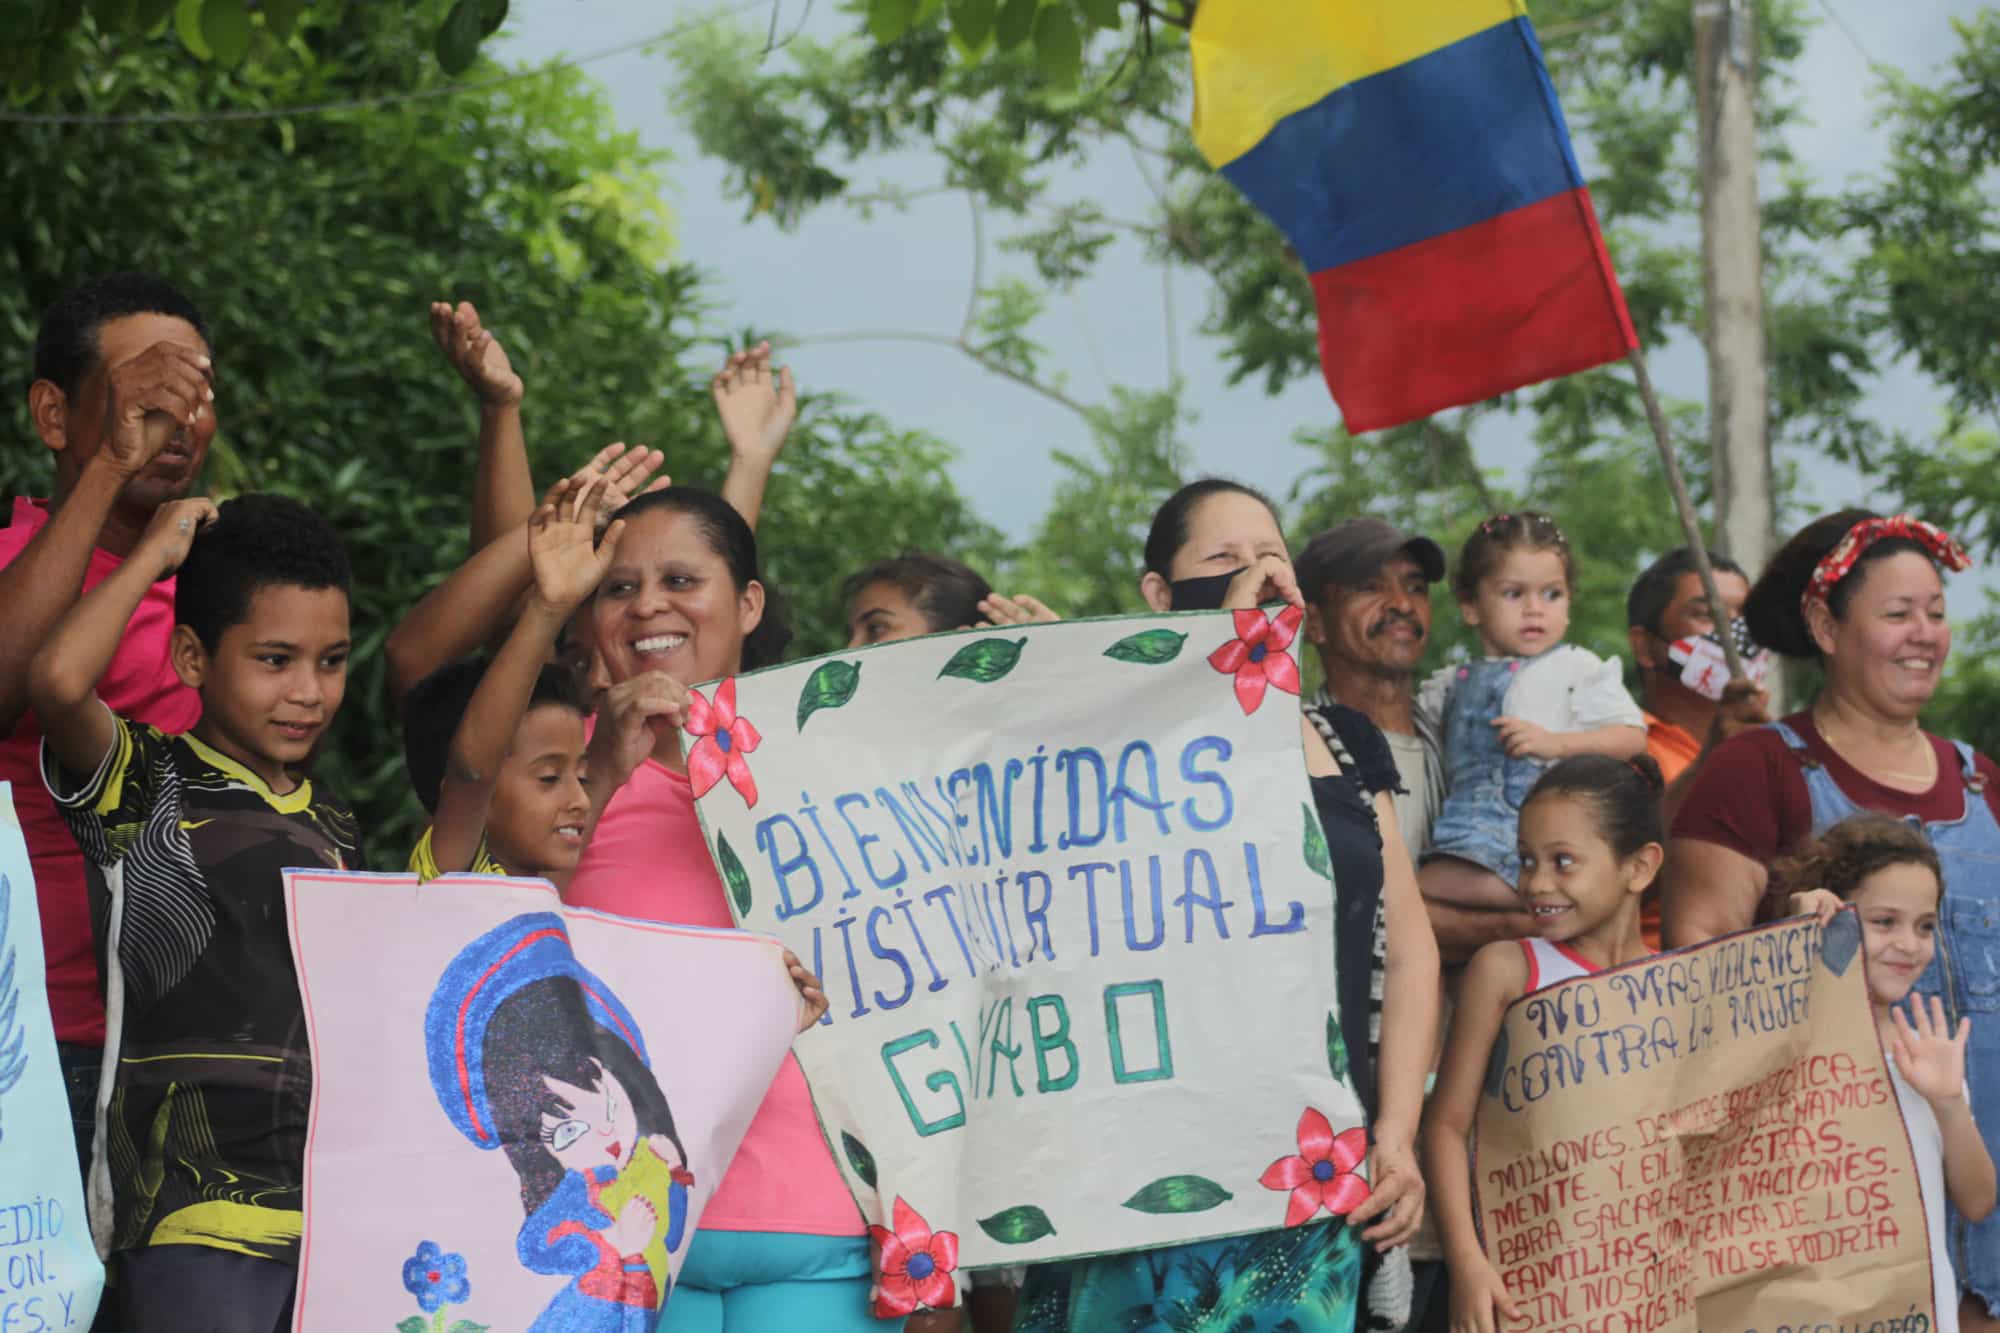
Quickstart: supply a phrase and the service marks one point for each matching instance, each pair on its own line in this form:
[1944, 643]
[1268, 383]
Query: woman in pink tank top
[781, 1243]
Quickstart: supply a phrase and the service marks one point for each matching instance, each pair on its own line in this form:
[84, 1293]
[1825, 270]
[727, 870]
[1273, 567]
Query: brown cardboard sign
[1707, 1139]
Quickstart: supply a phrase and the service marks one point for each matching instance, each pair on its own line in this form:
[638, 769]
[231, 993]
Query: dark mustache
[1391, 618]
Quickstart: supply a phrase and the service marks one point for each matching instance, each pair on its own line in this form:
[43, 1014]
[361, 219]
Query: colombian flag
[1415, 156]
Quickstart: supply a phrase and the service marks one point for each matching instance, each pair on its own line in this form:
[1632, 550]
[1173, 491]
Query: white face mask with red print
[1705, 670]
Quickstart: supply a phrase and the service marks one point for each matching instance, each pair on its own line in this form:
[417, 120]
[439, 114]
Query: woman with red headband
[1862, 595]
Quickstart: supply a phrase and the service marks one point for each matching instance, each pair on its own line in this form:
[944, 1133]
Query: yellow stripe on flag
[1258, 61]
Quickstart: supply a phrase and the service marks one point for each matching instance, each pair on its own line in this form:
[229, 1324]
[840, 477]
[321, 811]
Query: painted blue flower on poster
[13, 1037]
[436, 1277]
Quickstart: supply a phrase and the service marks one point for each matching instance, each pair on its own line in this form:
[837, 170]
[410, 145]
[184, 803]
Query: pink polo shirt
[648, 859]
[139, 685]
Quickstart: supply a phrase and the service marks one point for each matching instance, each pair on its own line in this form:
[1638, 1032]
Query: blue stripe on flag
[1447, 141]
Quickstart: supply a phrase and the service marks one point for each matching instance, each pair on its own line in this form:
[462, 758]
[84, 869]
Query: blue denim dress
[1965, 972]
[1484, 786]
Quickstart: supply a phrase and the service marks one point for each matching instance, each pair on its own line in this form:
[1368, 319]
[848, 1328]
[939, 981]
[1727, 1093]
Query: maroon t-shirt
[1751, 794]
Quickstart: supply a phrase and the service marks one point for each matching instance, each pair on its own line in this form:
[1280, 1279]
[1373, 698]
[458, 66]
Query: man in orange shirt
[1667, 604]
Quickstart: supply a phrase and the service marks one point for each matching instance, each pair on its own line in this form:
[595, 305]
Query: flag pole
[1690, 525]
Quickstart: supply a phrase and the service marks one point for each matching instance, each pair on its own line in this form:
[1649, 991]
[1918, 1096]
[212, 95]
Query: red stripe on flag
[1525, 297]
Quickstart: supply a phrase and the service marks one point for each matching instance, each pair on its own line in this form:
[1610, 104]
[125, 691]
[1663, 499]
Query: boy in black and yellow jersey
[195, 1179]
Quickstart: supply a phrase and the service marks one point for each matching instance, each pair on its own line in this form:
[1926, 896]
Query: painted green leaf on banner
[829, 686]
[1336, 1047]
[412, 1325]
[733, 875]
[985, 661]
[858, 1157]
[1317, 859]
[1018, 1225]
[1153, 647]
[1179, 1194]
[467, 1326]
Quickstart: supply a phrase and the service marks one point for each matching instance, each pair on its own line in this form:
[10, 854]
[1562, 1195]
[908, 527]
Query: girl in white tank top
[1591, 843]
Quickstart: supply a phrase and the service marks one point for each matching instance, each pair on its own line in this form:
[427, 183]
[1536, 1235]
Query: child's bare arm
[62, 679]
[567, 568]
[1530, 740]
[757, 408]
[503, 490]
[1493, 980]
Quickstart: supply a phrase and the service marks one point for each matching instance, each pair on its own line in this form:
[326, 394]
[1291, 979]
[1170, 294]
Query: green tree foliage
[799, 133]
[315, 245]
[45, 43]
[1854, 284]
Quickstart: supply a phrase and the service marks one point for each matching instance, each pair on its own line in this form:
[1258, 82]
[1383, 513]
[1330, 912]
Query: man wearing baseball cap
[1368, 609]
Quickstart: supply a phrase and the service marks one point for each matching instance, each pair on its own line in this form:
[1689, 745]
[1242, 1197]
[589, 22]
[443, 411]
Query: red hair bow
[1836, 564]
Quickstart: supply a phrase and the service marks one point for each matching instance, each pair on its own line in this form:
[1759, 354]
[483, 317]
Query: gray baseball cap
[1352, 551]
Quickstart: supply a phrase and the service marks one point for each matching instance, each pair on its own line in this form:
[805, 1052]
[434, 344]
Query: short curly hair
[1845, 854]
[257, 541]
[66, 344]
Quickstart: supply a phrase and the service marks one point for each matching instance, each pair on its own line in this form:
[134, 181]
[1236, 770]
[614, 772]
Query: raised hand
[1930, 1056]
[167, 538]
[624, 472]
[151, 398]
[562, 547]
[475, 354]
[999, 609]
[757, 408]
[810, 990]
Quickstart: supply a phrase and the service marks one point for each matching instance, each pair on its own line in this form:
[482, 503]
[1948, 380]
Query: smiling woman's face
[1888, 649]
[668, 603]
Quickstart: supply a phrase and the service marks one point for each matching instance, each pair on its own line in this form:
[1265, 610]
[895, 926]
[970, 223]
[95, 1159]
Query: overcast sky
[910, 270]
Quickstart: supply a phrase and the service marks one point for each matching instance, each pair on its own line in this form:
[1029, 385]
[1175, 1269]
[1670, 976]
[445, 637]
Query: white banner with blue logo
[50, 1277]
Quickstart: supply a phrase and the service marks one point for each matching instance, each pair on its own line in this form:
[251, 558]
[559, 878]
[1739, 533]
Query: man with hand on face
[1690, 703]
[1368, 609]
[124, 396]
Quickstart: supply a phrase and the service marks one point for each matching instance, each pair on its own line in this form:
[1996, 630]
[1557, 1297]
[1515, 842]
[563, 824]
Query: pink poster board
[519, 1109]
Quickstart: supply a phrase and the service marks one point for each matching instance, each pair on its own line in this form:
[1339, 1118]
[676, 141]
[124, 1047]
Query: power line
[1852, 39]
[370, 103]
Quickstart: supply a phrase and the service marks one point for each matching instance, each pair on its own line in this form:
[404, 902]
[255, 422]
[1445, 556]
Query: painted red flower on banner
[914, 1266]
[725, 739]
[1323, 1174]
[1257, 656]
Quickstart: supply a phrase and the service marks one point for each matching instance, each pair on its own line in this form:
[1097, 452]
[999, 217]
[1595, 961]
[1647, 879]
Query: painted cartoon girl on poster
[532, 1054]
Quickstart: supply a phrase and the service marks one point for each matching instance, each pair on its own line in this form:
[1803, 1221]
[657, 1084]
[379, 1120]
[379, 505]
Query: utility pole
[1733, 278]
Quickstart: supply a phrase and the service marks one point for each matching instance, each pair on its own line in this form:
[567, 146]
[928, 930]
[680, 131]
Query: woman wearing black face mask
[1215, 544]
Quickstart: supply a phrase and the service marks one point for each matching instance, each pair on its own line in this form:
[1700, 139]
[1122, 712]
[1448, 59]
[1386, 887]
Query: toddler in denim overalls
[1530, 699]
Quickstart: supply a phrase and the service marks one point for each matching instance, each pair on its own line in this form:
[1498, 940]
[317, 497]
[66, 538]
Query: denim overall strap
[1965, 973]
[1485, 786]
[1830, 804]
